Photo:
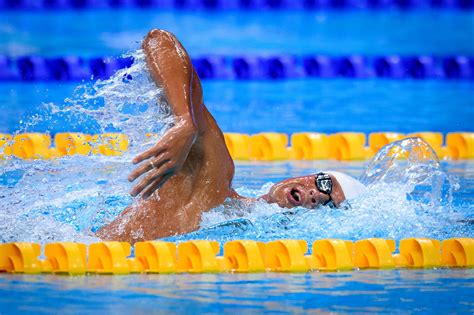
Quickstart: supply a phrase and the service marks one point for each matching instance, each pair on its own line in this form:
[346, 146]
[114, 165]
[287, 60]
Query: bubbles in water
[409, 195]
[128, 102]
[413, 167]
[69, 198]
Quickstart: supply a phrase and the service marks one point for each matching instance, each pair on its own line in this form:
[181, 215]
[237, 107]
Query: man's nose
[312, 198]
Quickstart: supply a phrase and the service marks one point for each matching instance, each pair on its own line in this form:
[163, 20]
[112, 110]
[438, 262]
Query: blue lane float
[389, 67]
[234, 4]
[279, 67]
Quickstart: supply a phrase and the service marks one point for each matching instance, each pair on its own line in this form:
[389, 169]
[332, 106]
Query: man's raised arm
[172, 70]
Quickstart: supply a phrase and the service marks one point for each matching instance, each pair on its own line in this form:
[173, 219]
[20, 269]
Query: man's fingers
[147, 166]
[155, 185]
[149, 179]
[147, 154]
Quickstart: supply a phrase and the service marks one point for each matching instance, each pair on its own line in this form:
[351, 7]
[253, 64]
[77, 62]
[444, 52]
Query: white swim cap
[350, 186]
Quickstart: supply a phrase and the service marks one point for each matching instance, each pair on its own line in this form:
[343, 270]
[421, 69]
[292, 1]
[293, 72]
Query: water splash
[69, 198]
[128, 102]
[412, 166]
[409, 195]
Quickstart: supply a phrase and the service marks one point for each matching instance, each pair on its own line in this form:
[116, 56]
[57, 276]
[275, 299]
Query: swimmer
[189, 170]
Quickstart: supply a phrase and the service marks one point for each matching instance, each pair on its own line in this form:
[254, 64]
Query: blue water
[240, 32]
[360, 292]
[44, 201]
[370, 291]
[286, 106]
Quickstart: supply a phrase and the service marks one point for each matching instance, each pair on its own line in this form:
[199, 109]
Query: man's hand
[163, 160]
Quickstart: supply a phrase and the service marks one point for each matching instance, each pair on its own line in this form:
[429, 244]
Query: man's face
[296, 192]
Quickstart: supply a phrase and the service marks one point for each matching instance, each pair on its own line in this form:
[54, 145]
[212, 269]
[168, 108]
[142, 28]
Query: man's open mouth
[294, 196]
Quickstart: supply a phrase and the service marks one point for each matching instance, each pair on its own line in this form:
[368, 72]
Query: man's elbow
[155, 37]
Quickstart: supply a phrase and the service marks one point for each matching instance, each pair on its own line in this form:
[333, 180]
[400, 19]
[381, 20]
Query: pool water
[284, 106]
[80, 194]
[367, 32]
[359, 292]
[366, 291]
[70, 198]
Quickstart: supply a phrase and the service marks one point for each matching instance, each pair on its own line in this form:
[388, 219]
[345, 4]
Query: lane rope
[235, 4]
[202, 256]
[278, 67]
[265, 146]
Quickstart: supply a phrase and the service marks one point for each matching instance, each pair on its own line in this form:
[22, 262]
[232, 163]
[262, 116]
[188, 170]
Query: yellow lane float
[309, 146]
[460, 145]
[156, 256]
[374, 253]
[419, 253]
[245, 256]
[346, 146]
[20, 257]
[71, 143]
[266, 146]
[202, 256]
[458, 252]
[286, 256]
[333, 254]
[6, 145]
[238, 145]
[66, 258]
[269, 146]
[111, 258]
[110, 144]
[378, 140]
[32, 146]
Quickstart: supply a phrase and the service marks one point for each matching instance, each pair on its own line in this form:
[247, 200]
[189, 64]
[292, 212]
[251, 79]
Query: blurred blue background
[305, 65]
[349, 100]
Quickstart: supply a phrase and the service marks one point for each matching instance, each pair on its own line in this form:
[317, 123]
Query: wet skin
[302, 192]
[189, 170]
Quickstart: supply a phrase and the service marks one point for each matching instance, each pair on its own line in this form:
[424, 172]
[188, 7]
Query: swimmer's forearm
[185, 129]
[171, 69]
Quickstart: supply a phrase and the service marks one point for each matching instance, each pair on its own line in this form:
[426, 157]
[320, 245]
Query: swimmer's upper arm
[172, 70]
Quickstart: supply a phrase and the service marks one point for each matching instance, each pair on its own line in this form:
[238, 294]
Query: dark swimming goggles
[324, 185]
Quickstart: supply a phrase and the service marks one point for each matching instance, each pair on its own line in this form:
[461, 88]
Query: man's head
[306, 191]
